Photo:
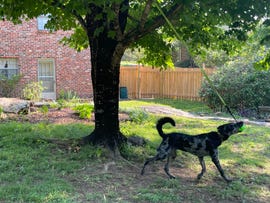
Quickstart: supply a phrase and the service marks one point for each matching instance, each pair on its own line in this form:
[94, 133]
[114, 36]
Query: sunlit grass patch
[193, 107]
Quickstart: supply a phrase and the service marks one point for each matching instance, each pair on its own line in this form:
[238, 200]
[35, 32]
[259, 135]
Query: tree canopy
[207, 23]
[110, 27]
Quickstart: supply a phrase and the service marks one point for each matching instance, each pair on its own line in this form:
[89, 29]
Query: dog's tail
[161, 122]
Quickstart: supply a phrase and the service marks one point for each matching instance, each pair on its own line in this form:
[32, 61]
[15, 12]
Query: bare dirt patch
[54, 116]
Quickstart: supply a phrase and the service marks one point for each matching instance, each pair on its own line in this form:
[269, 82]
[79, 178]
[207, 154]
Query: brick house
[34, 52]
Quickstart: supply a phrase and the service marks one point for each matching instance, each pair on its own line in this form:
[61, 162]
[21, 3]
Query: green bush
[8, 85]
[61, 103]
[68, 95]
[44, 109]
[242, 87]
[1, 110]
[33, 90]
[138, 116]
[84, 110]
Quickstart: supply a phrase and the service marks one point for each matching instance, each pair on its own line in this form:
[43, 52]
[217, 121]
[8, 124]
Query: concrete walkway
[167, 110]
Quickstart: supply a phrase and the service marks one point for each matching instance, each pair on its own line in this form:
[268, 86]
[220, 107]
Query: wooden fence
[145, 82]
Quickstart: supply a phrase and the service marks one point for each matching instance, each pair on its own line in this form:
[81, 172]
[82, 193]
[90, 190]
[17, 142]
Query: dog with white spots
[201, 145]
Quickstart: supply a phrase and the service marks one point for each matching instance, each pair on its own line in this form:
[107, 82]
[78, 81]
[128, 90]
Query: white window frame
[48, 94]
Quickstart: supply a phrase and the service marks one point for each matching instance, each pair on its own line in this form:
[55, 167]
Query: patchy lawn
[39, 162]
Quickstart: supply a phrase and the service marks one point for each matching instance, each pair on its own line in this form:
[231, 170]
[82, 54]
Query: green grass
[31, 169]
[34, 170]
[185, 105]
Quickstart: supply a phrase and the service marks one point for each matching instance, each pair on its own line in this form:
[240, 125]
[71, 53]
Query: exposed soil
[55, 116]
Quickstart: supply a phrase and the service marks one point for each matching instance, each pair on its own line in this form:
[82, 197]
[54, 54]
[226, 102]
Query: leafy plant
[68, 95]
[61, 103]
[84, 110]
[44, 109]
[1, 110]
[8, 85]
[138, 116]
[33, 90]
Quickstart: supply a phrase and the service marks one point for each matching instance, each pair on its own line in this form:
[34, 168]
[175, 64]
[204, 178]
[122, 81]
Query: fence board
[145, 82]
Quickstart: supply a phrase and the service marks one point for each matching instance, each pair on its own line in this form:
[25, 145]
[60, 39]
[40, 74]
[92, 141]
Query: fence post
[138, 92]
[161, 82]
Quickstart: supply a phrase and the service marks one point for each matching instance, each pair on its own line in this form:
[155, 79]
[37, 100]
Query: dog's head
[229, 129]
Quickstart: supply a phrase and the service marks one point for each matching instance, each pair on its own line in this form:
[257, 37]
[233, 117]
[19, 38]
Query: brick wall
[28, 44]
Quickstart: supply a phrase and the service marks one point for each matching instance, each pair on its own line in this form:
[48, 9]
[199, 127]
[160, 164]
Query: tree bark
[106, 55]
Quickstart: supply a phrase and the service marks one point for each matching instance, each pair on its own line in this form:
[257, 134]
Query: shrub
[61, 103]
[8, 85]
[84, 110]
[68, 95]
[33, 90]
[1, 110]
[138, 116]
[44, 109]
[242, 87]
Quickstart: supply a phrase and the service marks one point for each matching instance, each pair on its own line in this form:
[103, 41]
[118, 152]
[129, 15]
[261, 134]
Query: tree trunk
[106, 55]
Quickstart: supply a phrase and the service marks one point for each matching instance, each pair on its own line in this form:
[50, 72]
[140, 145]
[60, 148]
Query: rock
[218, 113]
[14, 105]
[136, 140]
[41, 104]
[3, 116]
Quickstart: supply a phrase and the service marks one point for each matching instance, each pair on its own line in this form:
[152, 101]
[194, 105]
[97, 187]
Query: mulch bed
[54, 116]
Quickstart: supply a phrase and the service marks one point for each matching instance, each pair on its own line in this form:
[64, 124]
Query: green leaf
[111, 34]
[98, 31]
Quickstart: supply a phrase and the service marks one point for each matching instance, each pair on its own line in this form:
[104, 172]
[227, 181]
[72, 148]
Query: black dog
[200, 145]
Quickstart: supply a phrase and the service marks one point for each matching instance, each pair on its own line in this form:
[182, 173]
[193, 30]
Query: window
[41, 21]
[46, 74]
[8, 67]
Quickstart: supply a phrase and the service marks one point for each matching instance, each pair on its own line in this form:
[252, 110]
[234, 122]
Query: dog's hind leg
[155, 158]
[166, 168]
[215, 159]
[203, 168]
[172, 155]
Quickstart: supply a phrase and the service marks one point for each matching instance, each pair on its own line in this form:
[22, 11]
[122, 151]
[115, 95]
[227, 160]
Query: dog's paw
[199, 176]
[172, 177]
[229, 180]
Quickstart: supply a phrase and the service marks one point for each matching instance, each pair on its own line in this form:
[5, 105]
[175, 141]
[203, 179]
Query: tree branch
[80, 19]
[132, 18]
[145, 13]
[120, 18]
[117, 26]
[150, 25]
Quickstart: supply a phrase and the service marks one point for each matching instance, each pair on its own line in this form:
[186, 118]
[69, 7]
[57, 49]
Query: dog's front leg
[215, 159]
[203, 168]
[166, 168]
